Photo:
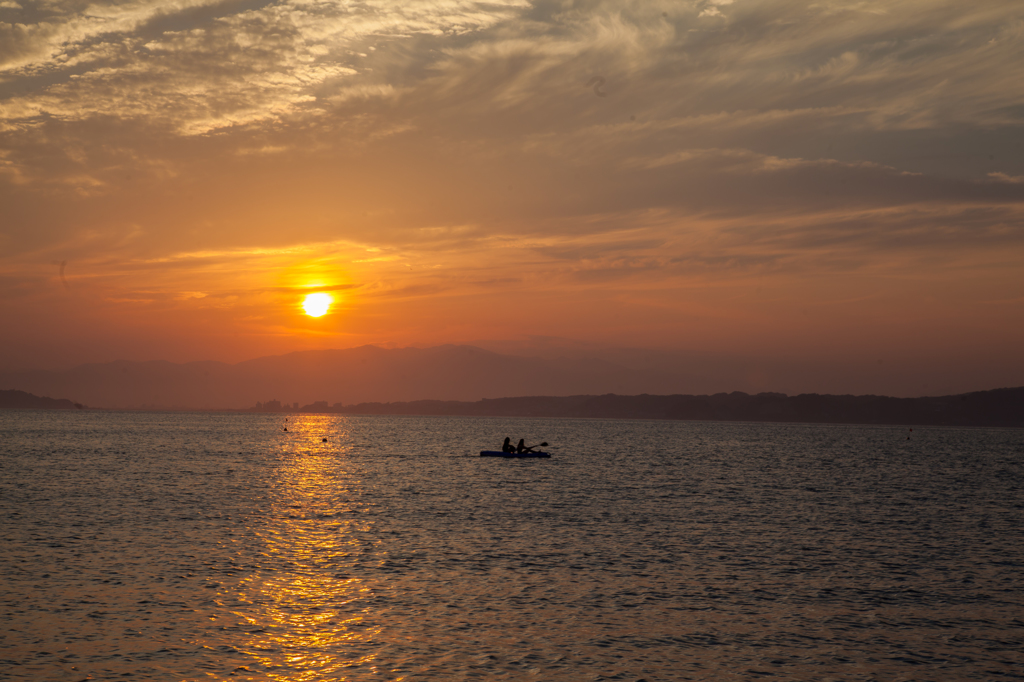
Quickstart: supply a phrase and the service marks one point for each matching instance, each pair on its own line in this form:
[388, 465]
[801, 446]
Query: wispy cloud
[202, 66]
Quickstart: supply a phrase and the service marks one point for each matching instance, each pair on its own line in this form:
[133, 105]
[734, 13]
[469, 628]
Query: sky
[820, 184]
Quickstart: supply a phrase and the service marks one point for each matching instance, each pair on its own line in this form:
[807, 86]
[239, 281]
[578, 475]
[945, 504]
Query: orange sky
[831, 182]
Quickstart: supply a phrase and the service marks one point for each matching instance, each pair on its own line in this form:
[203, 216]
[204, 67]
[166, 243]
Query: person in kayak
[507, 445]
[521, 448]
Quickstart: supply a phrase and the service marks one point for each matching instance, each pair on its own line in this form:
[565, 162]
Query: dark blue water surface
[177, 546]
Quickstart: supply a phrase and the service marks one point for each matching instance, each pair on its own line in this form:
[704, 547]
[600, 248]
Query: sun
[317, 305]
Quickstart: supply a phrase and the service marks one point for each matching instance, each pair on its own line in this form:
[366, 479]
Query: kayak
[499, 453]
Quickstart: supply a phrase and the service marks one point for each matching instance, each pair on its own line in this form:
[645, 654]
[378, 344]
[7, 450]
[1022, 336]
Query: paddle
[538, 445]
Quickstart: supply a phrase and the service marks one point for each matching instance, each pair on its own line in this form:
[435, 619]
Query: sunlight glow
[316, 305]
[295, 616]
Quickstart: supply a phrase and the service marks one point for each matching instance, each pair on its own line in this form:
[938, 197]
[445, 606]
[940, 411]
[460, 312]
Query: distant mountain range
[364, 374]
[1001, 407]
[468, 380]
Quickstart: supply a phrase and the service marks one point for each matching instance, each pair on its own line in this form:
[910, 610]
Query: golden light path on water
[305, 613]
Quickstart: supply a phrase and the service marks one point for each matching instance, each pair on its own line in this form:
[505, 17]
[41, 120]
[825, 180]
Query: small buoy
[286, 428]
[324, 440]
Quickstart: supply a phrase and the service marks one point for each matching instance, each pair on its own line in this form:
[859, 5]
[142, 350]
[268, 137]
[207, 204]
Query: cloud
[711, 8]
[495, 72]
[1003, 177]
[216, 68]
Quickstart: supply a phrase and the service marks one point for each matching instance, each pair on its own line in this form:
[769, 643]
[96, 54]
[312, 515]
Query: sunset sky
[839, 183]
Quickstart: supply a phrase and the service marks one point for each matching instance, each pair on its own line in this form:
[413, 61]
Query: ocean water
[178, 546]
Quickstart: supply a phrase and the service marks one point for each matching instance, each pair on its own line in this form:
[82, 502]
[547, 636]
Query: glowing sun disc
[316, 305]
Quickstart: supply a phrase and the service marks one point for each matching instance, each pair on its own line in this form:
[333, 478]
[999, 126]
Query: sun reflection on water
[305, 610]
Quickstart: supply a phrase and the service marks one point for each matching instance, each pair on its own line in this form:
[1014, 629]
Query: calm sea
[176, 546]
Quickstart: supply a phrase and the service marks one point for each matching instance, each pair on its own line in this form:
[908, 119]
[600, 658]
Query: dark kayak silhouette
[499, 453]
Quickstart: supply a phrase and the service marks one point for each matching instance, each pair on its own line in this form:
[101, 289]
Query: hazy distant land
[471, 381]
[371, 374]
[1000, 407]
[353, 375]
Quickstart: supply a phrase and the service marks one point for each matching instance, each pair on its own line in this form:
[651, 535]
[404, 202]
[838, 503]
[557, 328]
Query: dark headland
[20, 400]
[1002, 407]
